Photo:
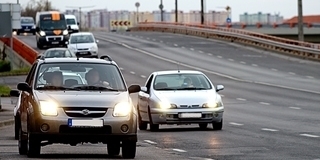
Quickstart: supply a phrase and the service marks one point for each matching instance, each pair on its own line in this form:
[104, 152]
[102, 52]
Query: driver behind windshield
[187, 82]
[93, 78]
[56, 79]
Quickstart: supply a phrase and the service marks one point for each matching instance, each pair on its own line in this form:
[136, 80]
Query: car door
[25, 100]
[143, 99]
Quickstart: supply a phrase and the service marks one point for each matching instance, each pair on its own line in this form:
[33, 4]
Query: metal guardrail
[292, 47]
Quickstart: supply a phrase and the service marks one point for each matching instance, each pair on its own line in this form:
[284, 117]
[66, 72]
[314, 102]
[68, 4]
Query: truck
[51, 29]
[73, 23]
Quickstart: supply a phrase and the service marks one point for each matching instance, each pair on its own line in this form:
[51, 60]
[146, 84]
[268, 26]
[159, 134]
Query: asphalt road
[272, 101]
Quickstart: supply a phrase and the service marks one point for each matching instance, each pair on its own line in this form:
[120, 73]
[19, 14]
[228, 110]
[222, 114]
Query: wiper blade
[95, 88]
[191, 88]
[165, 89]
[54, 88]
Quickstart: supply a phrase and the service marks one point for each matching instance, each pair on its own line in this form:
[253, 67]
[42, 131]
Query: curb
[6, 123]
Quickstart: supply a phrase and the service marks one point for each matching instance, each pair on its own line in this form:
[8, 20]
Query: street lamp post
[161, 10]
[300, 21]
[176, 11]
[202, 12]
[137, 6]
[79, 10]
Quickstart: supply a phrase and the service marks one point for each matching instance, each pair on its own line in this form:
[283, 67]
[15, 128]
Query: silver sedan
[180, 97]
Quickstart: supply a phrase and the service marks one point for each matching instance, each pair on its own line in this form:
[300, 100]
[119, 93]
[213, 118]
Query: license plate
[190, 115]
[85, 123]
[55, 42]
[26, 29]
[83, 52]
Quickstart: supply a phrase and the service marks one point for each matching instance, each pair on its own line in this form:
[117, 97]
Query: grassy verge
[4, 91]
[17, 72]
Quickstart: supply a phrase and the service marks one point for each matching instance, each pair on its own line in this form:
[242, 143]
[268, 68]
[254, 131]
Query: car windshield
[181, 82]
[81, 39]
[27, 21]
[71, 21]
[79, 76]
[58, 53]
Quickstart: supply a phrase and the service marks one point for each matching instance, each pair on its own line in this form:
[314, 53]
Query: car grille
[189, 106]
[26, 27]
[76, 130]
[55, 39]
[83, 49]
[92, 112]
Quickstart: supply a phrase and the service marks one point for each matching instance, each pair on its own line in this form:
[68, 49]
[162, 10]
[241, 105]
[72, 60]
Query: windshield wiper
[165, 89]
[55, 88]
[192, 88]
[95, 88]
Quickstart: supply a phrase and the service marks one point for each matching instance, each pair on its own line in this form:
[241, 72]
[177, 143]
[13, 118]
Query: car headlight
[42, 33]
[33, 27]
[93, 48]
[65, 32]
[166, 105]
[48, 108]
[122, 109]
[212, 104]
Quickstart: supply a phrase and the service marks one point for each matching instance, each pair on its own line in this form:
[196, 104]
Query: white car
[72, 22]
[83, 44]
[180, 97]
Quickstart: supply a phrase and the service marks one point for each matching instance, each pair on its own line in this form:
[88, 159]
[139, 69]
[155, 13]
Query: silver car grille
[83, 49]
[93, 112]
[189, 106]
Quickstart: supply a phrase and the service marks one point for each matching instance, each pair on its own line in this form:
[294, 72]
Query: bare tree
[34, 6]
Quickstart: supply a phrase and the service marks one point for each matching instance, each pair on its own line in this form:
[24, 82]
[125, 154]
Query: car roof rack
[106, 57]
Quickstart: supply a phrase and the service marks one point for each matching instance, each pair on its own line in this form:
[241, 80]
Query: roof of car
[177, 72]
[81, 33]
[57, 48]
[75, 59]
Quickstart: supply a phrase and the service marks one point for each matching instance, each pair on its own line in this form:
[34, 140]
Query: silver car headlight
[65, 32]
[42, 33]
[48, 108]
[122, 109]
[167, 105]
[212, 104]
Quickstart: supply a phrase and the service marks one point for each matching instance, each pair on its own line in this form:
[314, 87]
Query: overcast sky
[286, 8]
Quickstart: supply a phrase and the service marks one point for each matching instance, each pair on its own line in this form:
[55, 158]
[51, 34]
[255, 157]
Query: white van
[73, 23]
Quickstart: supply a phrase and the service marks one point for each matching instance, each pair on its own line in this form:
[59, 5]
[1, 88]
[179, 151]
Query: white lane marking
[209, 54]
[191, 49]
[219, 56]
[274, 69]
[231, 59]
[132, 72]
[121, 68]
[294, 108]
[268, 129]
[255, 65]
[141, 37]
[236, 124]
[310, 135]
[310, 77]
[161, 41]
[154, 39]
[199, 158]
[212, 72]
[292, 73]
[176, 45]
[148, 38]
[179, 150]
[143, 76]
[241, 99]
[200, 52]
[182, 47]
[151, 142]
[264, 103]
[243, 62]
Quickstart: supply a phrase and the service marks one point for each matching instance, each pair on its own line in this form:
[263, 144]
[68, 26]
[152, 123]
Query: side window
[148, 84]
[31, 73]
[68, 54]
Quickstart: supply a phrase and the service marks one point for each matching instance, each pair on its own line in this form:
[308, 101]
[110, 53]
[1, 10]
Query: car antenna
[178, 67]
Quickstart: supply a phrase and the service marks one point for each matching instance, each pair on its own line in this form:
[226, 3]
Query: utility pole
[79, 10]
[176, 11]
[300, 21]
[47, 5]
[202, 12]
[161, 10]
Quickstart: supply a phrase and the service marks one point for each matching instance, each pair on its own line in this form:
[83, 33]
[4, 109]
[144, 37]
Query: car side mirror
[144, 89]
[69, 27]
[219, 88]
[14, 93]
[37, 29]
[97, 41]
[134, 88]
[24, 87]
[78, 23]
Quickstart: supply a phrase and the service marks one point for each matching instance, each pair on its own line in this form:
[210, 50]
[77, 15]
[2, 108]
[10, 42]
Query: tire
[129, 149]
[217, 126]
[153, 127]
[39, 46]
[22, 144]
[142, 125]
[113, 148]
[203, 126]
[34, 33]
[16, 128]
[34, 146]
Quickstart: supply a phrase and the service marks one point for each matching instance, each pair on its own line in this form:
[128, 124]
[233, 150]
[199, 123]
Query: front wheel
[129, 149]
[217, 125]
[113, 148]
[142, 125]
[22, 143]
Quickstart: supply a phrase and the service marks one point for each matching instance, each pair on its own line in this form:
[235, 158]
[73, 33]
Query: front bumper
[172, 116]
[84, 53]
[53, 40]
[26, 30]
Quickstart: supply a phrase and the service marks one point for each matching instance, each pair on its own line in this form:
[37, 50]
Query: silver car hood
[83, 98]
[189, 97]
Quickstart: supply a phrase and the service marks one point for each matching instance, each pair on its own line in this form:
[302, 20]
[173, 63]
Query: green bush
[21, 71]
[5, 66]
[4, 91]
